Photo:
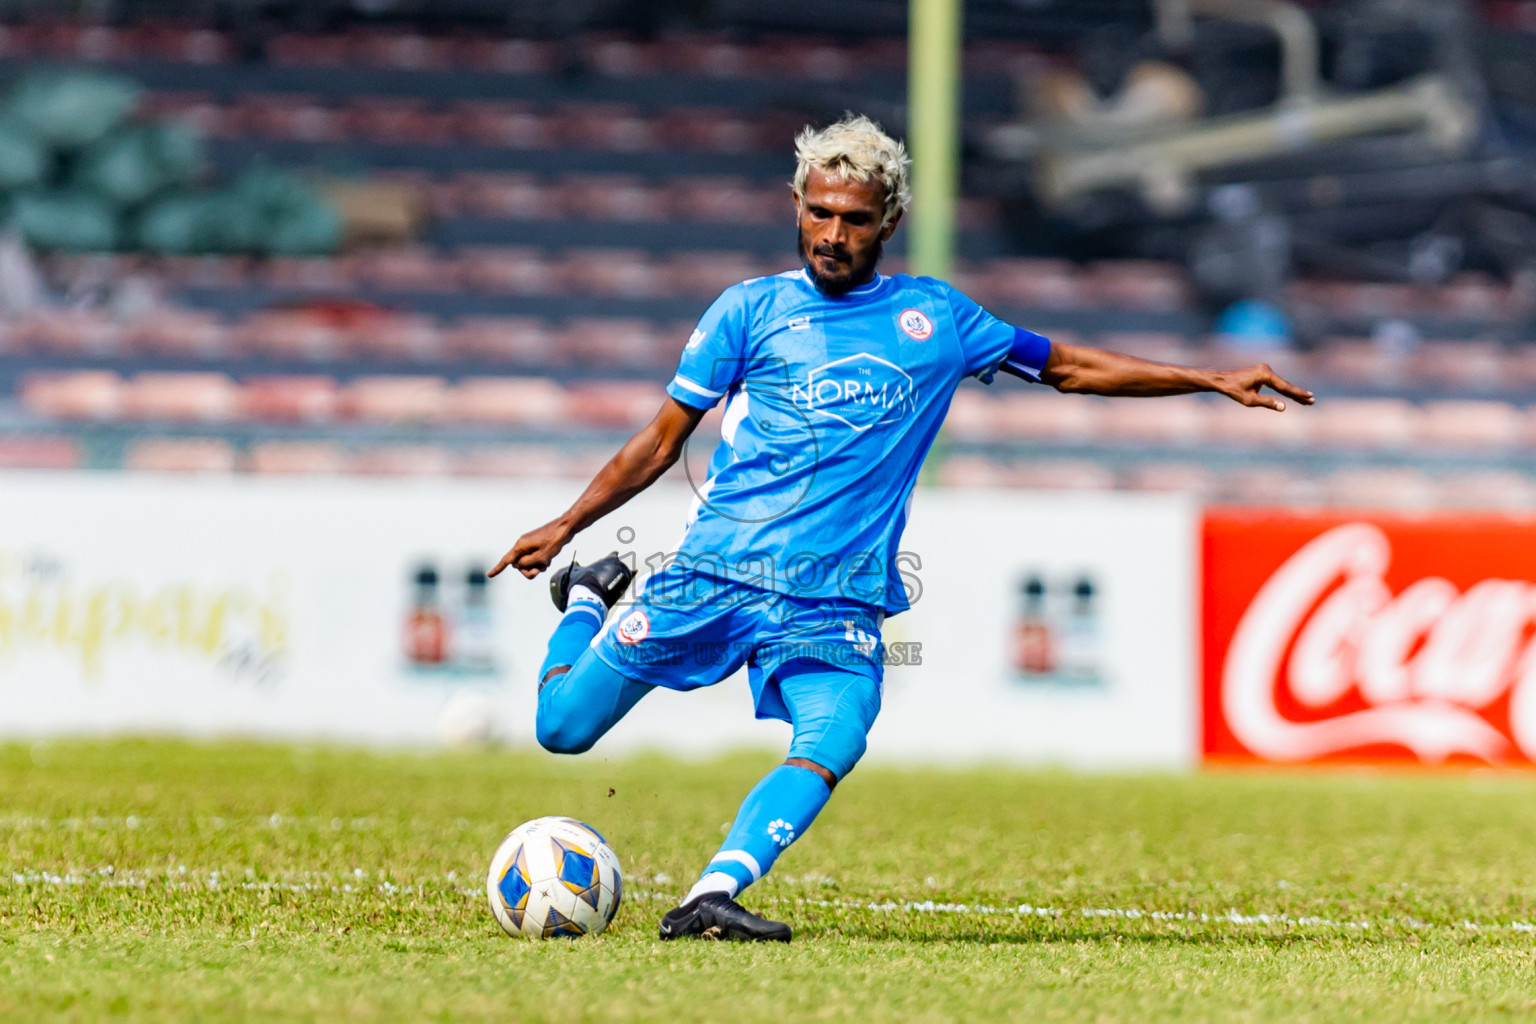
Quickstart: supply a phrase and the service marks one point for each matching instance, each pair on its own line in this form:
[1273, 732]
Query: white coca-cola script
[1423, 661]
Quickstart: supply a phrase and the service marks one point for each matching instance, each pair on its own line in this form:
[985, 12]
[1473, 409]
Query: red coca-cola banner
[1379, 638]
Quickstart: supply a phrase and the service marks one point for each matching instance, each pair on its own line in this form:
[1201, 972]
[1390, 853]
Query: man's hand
[1246, 387]
[534, 550]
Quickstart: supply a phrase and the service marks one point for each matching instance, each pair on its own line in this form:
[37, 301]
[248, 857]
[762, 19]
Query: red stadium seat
[403, 50]
[1501, 490]
[816, 62]
[974, 471]
[508, 125]
[185, 45]
[396, 399]
[1363, 423]
[1473, 296]
[1361, 361]
[401, 119]
[605, 341]
[300, 399]
[402, 460]
[507, 401]
[226, 272]
[1380, 487]
[1139, 284]
[82, 395]
[496, 270]
[533, 462]
[510, 196]
[288, 334]
[1228, 423]
[181, 397]
[1062, 474]
[293, 117]
[727, 201]
[509, 56]
[1034, 284]
[712, 57]
[625, 58]
[615, 197]
[614, 404]
[613, 127]
[202, 111]
[1272, 484]
[69, 332]
[705, 275]
[180, 332]
[302, 458]
[1460, 365]
[1046, 416]
[1174, 477]
[509, 340]
[296, 50]
[710, 129]
[410, 268]
[312, 273]
[403, 336]
[1160, 346]
[1470, 425]
[614, 273]
[180, 455]
[1167, 422]
[39, 451]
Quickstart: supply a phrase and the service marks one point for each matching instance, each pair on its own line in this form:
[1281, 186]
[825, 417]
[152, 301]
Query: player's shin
[776, 813]
[584, 615]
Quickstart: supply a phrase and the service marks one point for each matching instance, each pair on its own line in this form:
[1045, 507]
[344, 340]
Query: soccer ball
[554, 876]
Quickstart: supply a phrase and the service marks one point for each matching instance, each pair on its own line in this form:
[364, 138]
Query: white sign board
[1052, 628]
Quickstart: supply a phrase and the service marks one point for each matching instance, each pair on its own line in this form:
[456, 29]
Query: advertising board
[1045, 628]
[1369, 637]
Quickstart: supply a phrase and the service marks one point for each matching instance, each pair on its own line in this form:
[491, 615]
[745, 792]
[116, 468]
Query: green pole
[933, 132]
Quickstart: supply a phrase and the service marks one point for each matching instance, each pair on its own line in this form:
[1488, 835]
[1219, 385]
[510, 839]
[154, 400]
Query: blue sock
[584, 615]
[775, 814]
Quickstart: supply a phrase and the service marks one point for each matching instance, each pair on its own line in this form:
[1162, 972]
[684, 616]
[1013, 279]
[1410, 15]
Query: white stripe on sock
[597, 611]
[713, 881]
[743, 858]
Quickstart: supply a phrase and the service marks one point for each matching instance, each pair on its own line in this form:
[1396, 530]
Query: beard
[843, 283]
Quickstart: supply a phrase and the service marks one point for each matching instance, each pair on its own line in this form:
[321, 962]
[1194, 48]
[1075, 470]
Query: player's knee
[835, 749]
[563, 733]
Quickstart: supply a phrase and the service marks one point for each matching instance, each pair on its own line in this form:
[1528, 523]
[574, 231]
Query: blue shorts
[687, 630]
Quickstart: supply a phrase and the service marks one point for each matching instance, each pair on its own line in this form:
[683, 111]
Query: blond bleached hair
[855, 149]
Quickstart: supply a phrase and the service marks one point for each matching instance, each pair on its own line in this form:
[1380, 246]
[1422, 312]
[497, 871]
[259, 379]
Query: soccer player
[836, 379]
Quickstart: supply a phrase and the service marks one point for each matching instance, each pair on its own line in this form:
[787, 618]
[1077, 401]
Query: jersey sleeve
[990, 344]
[715, 357]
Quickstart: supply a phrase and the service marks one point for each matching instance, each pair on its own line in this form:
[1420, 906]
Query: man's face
[840, 230]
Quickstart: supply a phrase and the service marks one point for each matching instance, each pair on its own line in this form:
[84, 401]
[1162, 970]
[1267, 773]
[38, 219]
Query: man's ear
[890, 227]
[795, 197]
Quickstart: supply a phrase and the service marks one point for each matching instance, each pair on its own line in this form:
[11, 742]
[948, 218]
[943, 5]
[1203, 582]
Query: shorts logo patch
[634, 627]
[916, 324]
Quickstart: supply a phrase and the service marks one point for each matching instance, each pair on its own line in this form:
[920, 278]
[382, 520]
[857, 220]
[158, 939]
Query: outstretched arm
[1094, 371]
[643, 458]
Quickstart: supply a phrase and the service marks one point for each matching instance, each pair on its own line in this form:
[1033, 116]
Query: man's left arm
[1078, 369]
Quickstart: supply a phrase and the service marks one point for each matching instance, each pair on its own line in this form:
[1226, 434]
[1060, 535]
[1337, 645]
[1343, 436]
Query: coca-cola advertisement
[1369, 638]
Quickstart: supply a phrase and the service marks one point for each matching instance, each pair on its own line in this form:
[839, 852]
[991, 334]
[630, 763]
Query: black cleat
[716, 916]
[608, 576]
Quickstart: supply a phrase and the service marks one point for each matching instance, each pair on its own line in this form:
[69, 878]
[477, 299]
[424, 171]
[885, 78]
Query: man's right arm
[643, 459]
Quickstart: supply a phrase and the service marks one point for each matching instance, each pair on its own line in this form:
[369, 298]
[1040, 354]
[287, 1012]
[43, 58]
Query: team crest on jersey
[916, 323]
[634, 627]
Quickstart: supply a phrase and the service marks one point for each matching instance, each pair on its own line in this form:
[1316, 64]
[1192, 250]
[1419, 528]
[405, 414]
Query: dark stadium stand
[582, 203]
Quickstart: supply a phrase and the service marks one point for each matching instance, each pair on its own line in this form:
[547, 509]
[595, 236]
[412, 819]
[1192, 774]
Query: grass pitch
[158, 880]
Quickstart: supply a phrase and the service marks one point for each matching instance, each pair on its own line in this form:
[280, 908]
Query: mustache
[833, 252]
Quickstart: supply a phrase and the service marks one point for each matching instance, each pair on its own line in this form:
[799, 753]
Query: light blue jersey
[831, 406]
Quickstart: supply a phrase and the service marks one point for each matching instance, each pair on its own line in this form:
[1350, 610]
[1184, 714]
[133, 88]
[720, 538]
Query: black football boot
[716, 916]
[608, 576]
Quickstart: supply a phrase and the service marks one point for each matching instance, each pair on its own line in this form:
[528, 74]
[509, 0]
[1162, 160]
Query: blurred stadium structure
[503, 219]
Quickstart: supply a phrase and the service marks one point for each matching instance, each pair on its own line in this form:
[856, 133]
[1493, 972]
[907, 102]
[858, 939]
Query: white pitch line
[181, 880]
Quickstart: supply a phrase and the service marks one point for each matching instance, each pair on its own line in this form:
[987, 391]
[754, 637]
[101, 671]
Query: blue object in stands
[1253, 324]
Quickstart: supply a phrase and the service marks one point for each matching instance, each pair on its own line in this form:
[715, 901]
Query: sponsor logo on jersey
[694, 339]
[859, 391]
[916, 323]
[1385, 639]
[634, 627]
[800, 323]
